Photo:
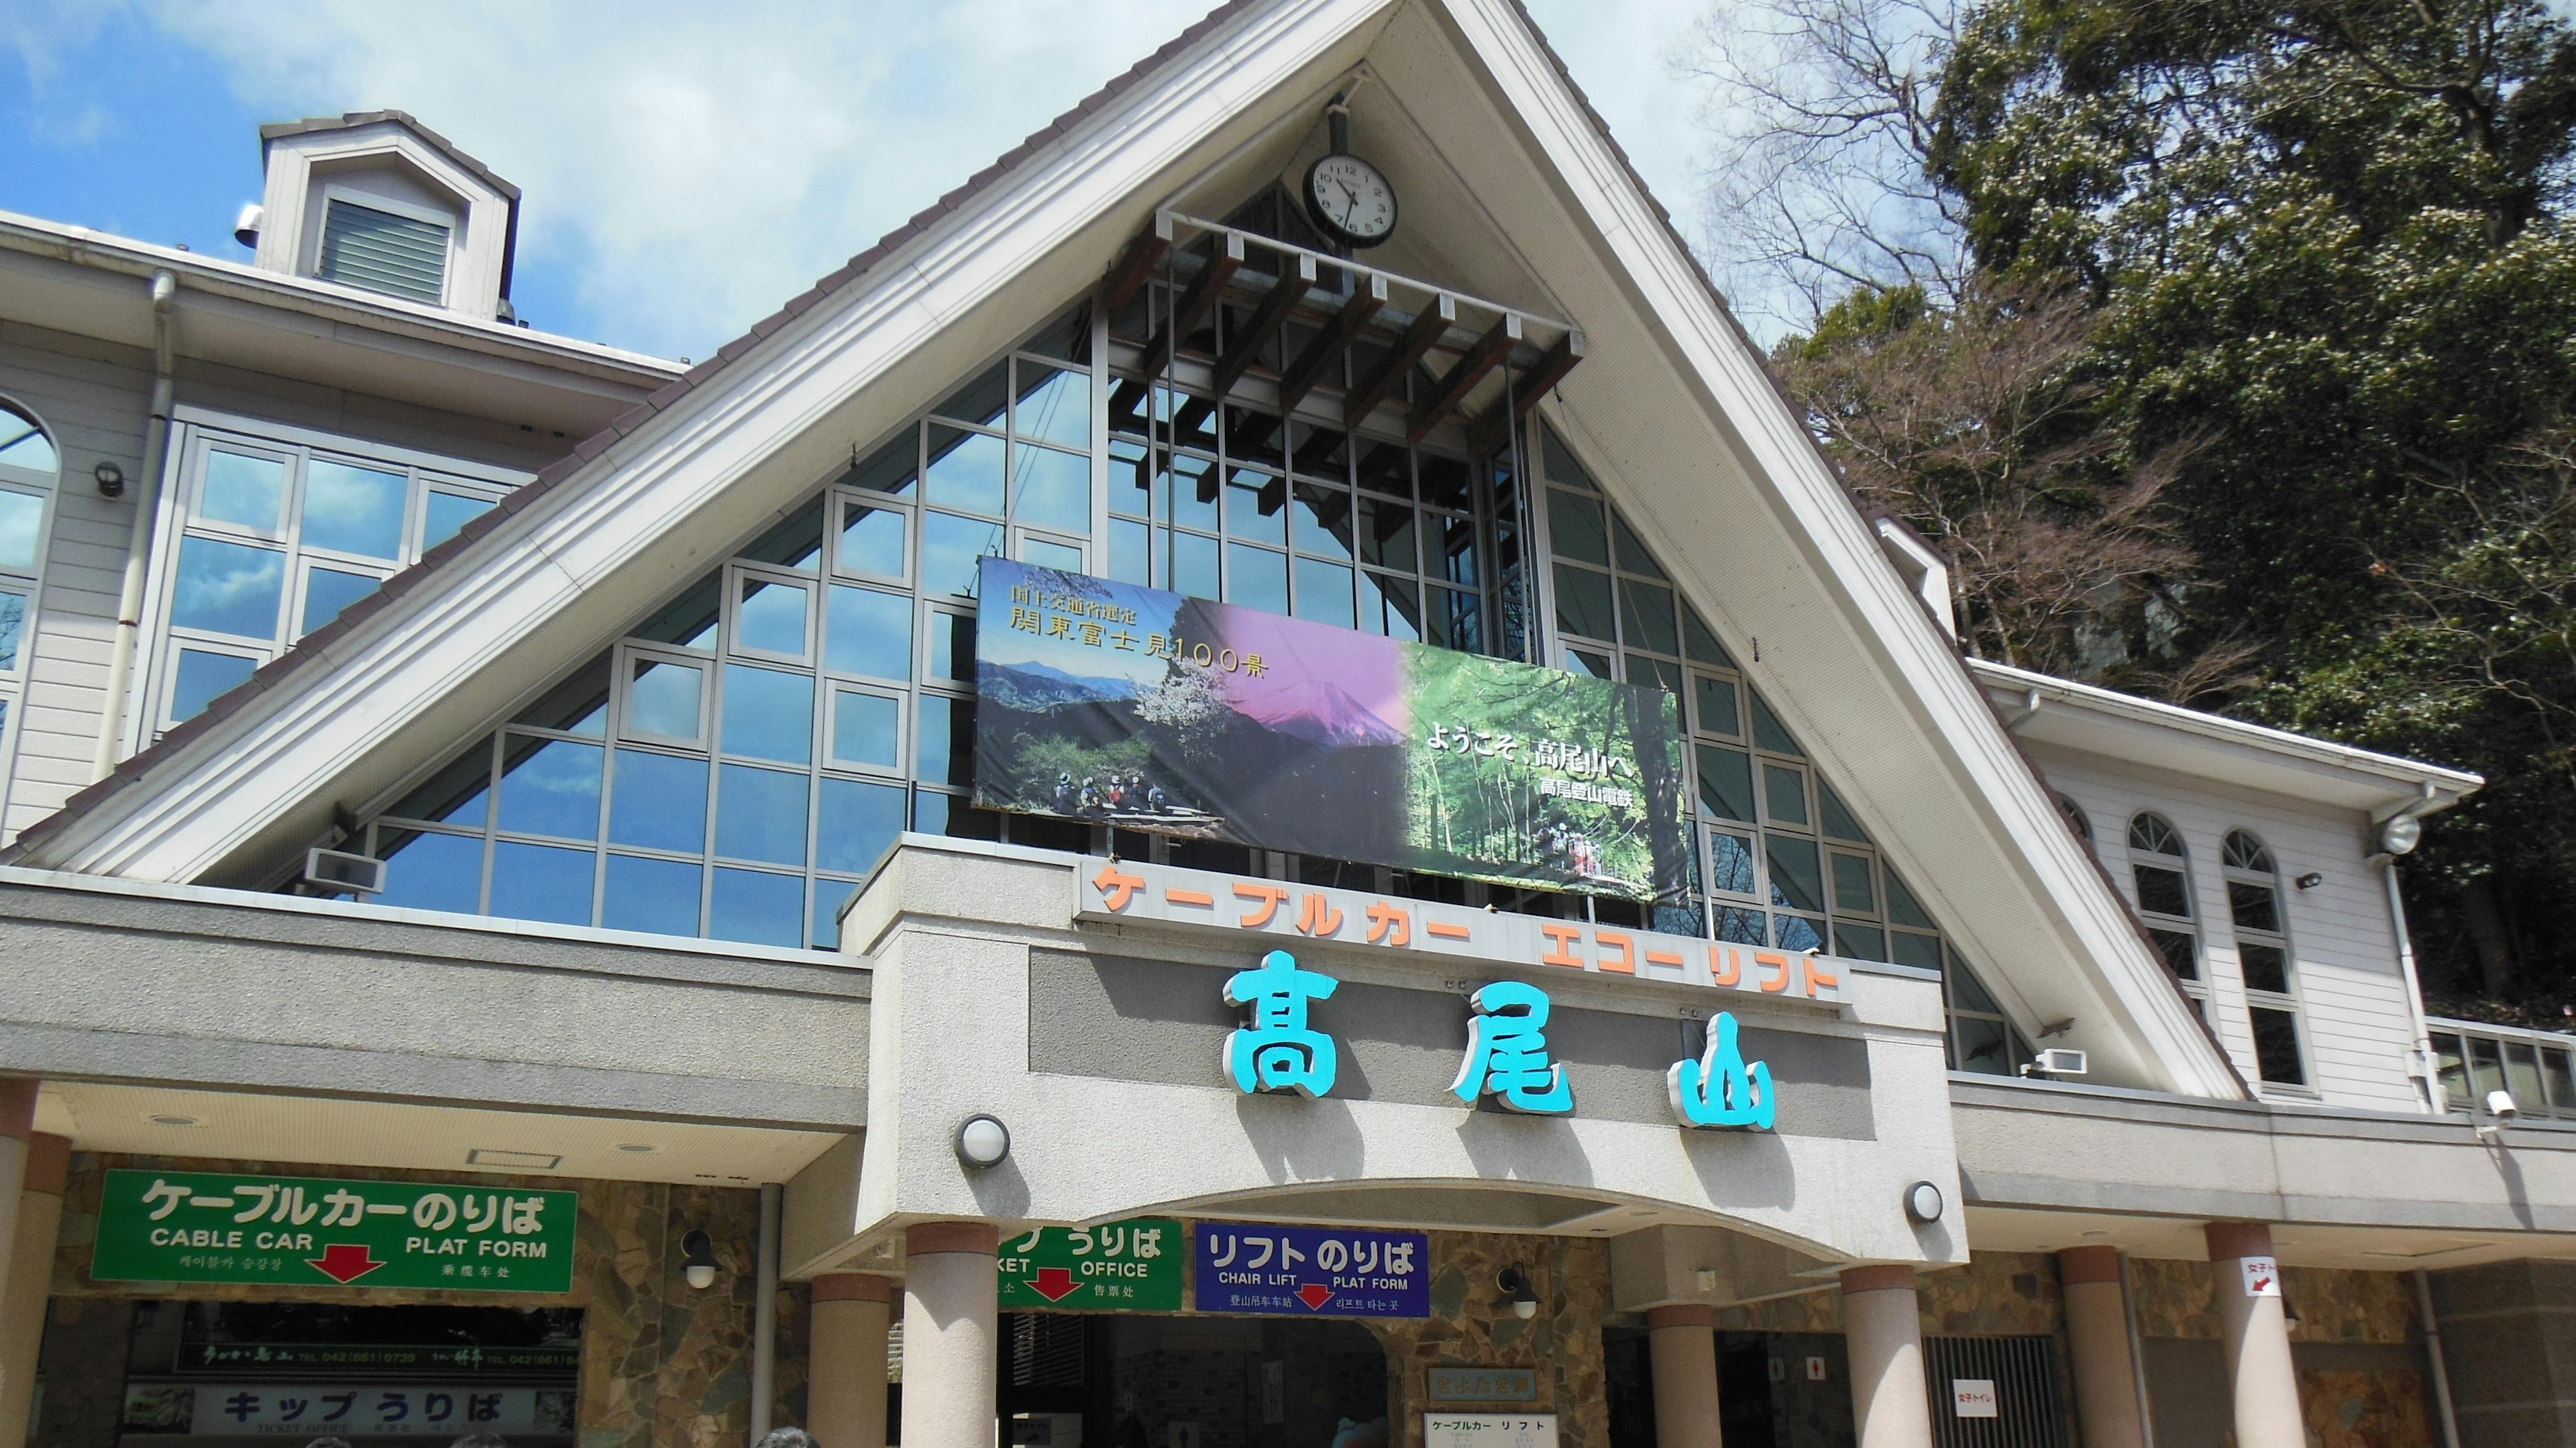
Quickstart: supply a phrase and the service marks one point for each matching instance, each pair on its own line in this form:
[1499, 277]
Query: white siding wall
[92, 398]
[2350, 988]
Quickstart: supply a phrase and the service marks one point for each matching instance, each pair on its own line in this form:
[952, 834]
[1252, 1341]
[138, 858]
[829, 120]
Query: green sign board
[183, 1226]
[1130, 1266]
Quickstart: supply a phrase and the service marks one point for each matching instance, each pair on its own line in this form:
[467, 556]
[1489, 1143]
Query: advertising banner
[1131, 1266]
[1313, 1271]
[180, 1226]
[346, 1410]
[1121, 705]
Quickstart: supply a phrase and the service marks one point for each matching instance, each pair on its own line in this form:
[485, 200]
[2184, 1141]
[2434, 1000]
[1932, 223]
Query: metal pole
[764, 1325]
[2433, 1355]
[138, 542]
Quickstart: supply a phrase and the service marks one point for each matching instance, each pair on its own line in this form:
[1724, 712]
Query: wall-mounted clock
[1350, 200]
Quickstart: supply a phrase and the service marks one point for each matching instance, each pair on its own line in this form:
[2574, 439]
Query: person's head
[787, 1438]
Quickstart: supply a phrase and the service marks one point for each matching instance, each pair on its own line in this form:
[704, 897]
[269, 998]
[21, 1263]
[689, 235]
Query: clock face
[1349, 199]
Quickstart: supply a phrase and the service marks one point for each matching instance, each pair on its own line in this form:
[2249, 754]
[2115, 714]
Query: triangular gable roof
[1701, 451]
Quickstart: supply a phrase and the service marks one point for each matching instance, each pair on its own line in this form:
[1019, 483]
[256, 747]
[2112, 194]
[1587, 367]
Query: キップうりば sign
[1312, 1271]
[1121, 705]
[1130, 1266]
[176, 1226]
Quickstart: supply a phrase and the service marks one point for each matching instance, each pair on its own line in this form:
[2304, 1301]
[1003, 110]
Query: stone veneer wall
[662, 1363]
[1470, 1326]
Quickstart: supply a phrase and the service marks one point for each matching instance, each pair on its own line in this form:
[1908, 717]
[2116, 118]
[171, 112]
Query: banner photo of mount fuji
[1130, 706]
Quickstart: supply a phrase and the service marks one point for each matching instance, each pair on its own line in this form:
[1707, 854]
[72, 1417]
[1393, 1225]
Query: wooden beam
[1143, 254]
[1486, 354]
[1366, 301]
[1266, 321]
[1410, 349]
[1194, 304]
[1541, 379]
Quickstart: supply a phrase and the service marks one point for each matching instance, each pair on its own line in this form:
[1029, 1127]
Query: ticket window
[231, 1374]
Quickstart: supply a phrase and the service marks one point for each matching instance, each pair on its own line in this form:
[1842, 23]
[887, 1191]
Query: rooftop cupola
[378, 201]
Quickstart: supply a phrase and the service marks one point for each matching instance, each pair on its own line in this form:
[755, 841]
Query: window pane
[1920, 951]
[1054, 490]
[1256, 578]
[242, 489]
[1654, 673]
[202, 678]
[772, 617]
[225, 587]
[578, 705]
[550, 787]
[1387, 467]
[1389, 606]
[2180, 951]
[664, 699]
[1446, 482]
[1574, 527]
[2522, 1074]
[1981, 1046]
[1768, 732]
[1043, 554]
[1852, 887]
[1784, 794]
[656, 896]
[757, 908]
[354, 510]
[659, 802]
[2562, 1084]
[1704, 647]
[947, 740]
[1193, 566]
[459, 794]
[1837, 817]
[867, 729]
[2452, 1067]
[690, 621]
[965, 470]
[1795, 880]
[2160, 891]
[1131, 479]
[1256, 507]
[949, 547]
[541, 882]
[2486, 1066]
[952, 646]
[1386, 534]
[13, 622]
[983, 400]
[1740, 926]
[1324, 592]
[327, 591]
[1130, 552]
[1859, 942]
[1587, 662]
[1725, 782]
[768, 714]
[1054, 404]
[2276, 1047]
[1583, 602]
[2266, 967]
[1967, 993]
[430, 871]
[1451, 546]
[760, 814]
[2253, 907]
[1189, 493]
[22, 517]
[829, 897]
[1647, 610]
[23, 443]
[1796, 932]
[447, 515]
[872, 540]
[858, 825]
[1902, 907]
[1633, 557]
[1322, 519]
[1730, 863]
[1717, 711]
[868, 633]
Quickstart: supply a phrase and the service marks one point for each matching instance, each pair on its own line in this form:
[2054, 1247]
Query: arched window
[2162, 877]
[2263, 953]
[2076, 819]
[28, 464]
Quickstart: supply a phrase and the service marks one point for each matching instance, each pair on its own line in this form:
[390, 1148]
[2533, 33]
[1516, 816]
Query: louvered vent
[382, 252]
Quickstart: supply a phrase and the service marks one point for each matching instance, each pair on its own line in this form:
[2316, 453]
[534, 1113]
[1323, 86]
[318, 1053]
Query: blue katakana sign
[1312, 1271]
[1275, 1050]
[1507, 1052]
[1719, 1089]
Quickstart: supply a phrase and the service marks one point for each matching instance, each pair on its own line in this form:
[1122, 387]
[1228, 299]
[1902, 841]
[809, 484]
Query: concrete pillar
[1683, 1342]
[1883, 1334]
[17, 1123]
[2257, 1336]
[845, 1386]
[2097, 1328]
[949, 1341]
[30, 1280]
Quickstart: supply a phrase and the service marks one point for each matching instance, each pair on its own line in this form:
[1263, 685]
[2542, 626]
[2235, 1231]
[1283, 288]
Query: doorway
[1101, 1380]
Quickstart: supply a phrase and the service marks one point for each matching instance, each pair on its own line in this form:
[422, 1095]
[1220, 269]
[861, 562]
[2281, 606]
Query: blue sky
[686, 167]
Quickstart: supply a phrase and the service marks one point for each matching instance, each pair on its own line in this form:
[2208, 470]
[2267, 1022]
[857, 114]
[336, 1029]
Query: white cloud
[1621, 52]
[691, 166]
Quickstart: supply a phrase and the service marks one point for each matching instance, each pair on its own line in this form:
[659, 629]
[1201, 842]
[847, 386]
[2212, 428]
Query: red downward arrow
[1315, 1295]
[1055, 1284]
[344, 1261]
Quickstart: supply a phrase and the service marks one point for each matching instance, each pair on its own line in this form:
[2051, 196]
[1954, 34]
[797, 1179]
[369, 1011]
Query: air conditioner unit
[342, 872]
[2059, 1061]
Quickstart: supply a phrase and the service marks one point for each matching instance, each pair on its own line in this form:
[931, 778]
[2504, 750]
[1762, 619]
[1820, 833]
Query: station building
[499, 934]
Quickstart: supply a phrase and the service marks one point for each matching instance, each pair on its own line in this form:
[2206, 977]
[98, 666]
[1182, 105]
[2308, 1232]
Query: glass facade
[29, 465]
[273, 534]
